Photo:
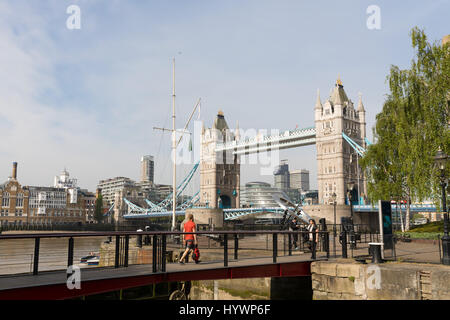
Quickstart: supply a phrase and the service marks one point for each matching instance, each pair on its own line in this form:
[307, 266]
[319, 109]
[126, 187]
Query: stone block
[341, 285]
[360, 288]
[324, 267]
[320, 295]
[348, 270]
[440, 284]
[394, 285]
[348, 296]
[319, 282]
[334, 296]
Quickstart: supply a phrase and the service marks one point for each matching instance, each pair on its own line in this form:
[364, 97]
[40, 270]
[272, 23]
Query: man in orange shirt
[190, 239]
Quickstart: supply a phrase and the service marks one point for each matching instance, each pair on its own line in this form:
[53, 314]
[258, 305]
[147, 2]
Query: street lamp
[440, 161]
[333, 196]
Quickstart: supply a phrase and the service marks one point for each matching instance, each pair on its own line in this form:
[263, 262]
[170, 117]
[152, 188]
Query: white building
[63, 181]
[109, 187]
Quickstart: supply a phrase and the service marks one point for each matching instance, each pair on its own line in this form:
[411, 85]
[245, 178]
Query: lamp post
[334, 227]
[440, 161]
[350, 187]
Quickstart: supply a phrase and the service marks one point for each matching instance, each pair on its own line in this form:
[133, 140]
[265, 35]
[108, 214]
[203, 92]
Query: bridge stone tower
[219, 172]
[337, 162]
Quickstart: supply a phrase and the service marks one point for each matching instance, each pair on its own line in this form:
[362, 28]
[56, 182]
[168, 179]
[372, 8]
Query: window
[19, 200]
[5, 200]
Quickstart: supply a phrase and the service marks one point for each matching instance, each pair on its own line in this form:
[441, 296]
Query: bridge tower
[219, 171]
[337, 162]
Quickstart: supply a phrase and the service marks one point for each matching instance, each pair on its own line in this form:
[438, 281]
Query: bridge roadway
[52, 285]
[236, 213]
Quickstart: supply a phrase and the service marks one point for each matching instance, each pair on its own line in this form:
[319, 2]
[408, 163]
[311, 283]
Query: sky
[87, 99]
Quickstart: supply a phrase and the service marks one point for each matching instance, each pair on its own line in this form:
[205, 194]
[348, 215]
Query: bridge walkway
[53, 284]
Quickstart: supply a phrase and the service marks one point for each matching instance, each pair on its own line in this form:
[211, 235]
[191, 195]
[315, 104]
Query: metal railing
[244, 244]
[395, 248]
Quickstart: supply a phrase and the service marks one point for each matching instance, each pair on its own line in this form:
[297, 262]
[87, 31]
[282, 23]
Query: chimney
[14, 173]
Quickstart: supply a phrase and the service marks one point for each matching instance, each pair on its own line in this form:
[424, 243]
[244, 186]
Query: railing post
[327, 241]
[70, 253]
[163, 252]
[155, 252]
[393, 247]
[236, 246]
[439, 243]
[344, 243]
[36, 256]
[275, 247]
[127, 242]
[117, 256]
[225, 250]
[290, 244]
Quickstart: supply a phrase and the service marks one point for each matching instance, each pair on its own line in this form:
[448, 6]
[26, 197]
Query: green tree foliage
[411, 127]
[98, 213]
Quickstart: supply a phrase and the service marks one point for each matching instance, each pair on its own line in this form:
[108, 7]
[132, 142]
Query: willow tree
[411, 127]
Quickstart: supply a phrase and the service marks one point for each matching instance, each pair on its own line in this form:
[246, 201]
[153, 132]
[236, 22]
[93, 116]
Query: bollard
[375, 251]
[139, 239]
[147, 241]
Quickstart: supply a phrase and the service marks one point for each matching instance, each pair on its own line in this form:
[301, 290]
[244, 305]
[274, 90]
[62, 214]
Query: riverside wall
[349, 280]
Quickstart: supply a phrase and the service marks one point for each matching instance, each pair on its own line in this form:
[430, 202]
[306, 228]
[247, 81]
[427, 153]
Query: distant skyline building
[299, 179]
[147, 169]
[281, 176]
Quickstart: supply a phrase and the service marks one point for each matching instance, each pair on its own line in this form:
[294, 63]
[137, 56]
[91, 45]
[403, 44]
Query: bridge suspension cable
[360, 150]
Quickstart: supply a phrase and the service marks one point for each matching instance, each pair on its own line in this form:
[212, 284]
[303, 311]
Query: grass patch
[432, 227]
[422, 235]
[429, 231]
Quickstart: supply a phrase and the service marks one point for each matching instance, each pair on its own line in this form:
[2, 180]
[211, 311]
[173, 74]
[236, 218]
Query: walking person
[293, 226]
[189, 239]
[313, 237]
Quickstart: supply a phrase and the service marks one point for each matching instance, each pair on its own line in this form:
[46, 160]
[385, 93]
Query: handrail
[124, 233]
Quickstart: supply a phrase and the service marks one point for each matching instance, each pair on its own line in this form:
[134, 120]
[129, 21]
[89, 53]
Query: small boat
[91, 255]
[93, 261]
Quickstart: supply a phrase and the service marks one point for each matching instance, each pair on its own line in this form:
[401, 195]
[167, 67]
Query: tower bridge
[337, 121]
[339, 134]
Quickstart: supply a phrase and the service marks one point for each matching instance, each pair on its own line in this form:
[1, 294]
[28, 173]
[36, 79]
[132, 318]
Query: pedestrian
[313, 237]
[189, 239]
[293, 226]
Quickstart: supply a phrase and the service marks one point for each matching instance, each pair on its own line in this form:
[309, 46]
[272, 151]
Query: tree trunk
[408, 214]
[401, 216]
